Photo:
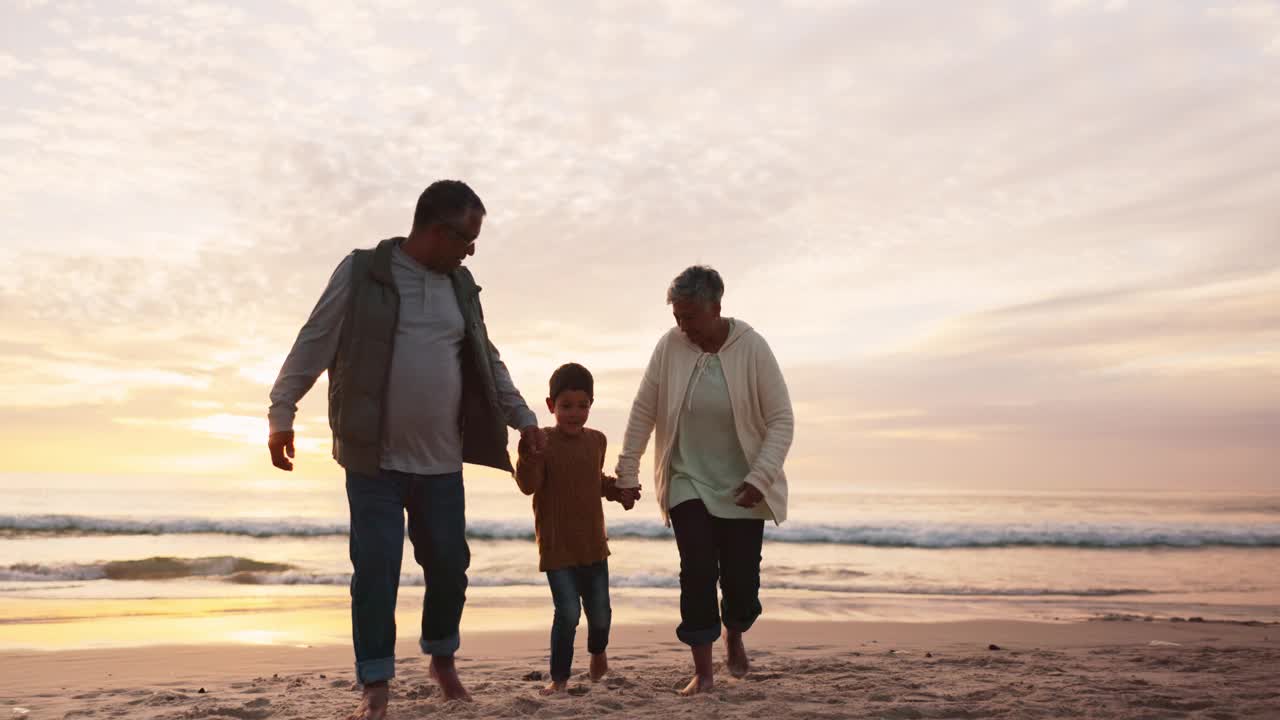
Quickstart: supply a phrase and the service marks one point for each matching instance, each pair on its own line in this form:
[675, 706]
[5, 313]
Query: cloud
[244, 429]
[49, 382]
[991, 215]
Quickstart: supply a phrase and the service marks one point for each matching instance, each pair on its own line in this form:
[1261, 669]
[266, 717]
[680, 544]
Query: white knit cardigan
[758, 394]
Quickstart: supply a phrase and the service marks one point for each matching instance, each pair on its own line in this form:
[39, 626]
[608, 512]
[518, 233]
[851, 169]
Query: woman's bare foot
[699, 684]
[737, 663]
[703, 674]
[599, 666]
[444, 673]
[555, 687]
[373, 704]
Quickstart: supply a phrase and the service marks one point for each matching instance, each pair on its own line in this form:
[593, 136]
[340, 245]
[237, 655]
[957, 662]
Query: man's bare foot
[373, 704]
[699, 684]
[599, 666]
[737, 663]
[703, 674]
[444, 673]
[554, 687]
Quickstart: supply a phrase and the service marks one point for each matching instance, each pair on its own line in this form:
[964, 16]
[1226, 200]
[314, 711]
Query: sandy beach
[1106, 669]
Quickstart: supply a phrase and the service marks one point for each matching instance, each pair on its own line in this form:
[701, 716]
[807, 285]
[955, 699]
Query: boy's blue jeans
[436, 508]
[573, 589]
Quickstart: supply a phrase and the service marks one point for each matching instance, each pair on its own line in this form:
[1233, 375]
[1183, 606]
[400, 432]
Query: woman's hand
[747, 496]
[629, 497]
[626, 497]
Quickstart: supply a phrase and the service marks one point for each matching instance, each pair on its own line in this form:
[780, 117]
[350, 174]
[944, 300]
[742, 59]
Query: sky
[1020, 245]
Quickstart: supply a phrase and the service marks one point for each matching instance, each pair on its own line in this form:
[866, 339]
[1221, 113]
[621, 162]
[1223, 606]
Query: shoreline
[317, 617]
[801, 669]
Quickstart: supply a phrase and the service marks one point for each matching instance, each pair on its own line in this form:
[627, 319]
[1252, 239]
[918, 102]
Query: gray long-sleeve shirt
[421, 433]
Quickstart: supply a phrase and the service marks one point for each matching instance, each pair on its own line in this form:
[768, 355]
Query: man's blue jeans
[574, 589]
[436, 508]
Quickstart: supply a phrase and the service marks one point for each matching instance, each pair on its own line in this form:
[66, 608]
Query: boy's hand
[612, 492]
[629, 496]
[533, 440]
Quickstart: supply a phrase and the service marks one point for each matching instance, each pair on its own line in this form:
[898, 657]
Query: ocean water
[92, 562]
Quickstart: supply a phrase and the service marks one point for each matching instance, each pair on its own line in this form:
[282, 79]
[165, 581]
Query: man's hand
[281, 444]
[534, 438]
[747, 496]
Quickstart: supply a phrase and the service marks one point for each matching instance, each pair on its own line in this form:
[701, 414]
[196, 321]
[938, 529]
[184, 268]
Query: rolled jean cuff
[703, 636]
[371, 671]
[739, 626]
[446, 646]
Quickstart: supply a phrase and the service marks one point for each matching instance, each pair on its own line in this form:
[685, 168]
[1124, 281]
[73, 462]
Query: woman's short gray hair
[700, 282]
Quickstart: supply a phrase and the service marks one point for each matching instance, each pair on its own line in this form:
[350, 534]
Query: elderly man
[415, 390]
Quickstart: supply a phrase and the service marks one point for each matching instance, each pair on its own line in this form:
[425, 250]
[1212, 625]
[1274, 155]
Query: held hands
[626, 497]
[532, 439]
[281, 444]
[747, 496]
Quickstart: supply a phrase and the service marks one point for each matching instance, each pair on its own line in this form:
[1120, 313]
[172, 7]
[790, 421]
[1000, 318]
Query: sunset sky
[993, 244]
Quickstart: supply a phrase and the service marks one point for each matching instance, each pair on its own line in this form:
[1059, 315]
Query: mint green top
[707, 462]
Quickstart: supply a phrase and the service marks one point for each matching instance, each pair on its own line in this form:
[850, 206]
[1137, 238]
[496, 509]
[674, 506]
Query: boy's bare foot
[737, 663]
[699, 684]
[444, 673]
[703, 674]
[555, 687]
[373, 704]
[599, 666]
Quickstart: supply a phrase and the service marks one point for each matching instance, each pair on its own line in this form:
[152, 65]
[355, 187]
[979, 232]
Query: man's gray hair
[700, 282]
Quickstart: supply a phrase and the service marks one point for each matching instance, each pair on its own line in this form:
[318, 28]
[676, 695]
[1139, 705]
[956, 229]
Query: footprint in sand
[617, 682]
[242, 712]
[526, 706]
[420, 691]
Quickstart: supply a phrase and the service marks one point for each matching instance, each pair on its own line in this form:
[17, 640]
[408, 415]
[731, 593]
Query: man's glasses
[458, 234]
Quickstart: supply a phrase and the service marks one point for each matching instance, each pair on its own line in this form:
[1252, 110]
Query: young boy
[567, 482]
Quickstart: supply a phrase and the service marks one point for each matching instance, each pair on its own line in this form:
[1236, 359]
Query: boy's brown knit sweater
[567, 482]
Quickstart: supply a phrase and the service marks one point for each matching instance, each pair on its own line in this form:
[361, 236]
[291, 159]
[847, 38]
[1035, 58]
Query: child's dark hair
[572, 376]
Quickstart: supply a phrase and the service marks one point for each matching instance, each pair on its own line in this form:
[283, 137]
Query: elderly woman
[717, 399]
